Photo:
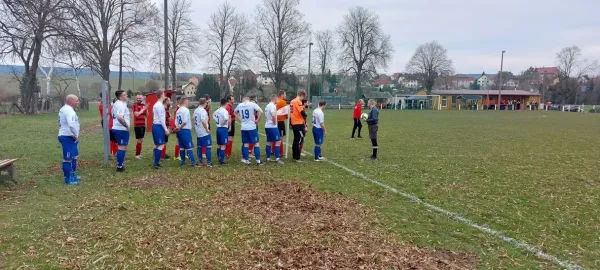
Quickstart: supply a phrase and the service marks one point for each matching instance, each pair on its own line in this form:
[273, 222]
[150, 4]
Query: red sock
[177, 148]
[163, 155]
[281, 149]
[138, 149]
[113, 148]
[250, 148]
[228, 148]
[273, 148]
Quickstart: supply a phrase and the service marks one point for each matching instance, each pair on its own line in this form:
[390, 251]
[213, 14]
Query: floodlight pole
[308, 94]
[166, 24]
[500, 88]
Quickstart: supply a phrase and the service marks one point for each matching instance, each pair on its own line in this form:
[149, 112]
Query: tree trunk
[32, 78]
[358, 86]
[121, 50]
[173, 73]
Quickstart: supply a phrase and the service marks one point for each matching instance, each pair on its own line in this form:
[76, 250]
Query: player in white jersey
[68, 136]
[271, 129]
[203, 137]
[159, 127]
[319, 131]
[246, 113]
[221, 117]
[120, 128]
[183, 127]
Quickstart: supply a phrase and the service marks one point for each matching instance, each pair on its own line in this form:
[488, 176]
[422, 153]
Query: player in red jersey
[113, 141]
[167, 104]
[173, 126]
[229, 108]
[140, 111]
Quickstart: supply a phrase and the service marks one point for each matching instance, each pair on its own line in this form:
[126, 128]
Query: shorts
[140, 132]
[373, 131]
[110, 134]
[281, 127]
[232, 131]
[158, 134]
[250, 136]
[318, 135]
[121, 136]
[184, 137]
[222, 135]
[69, 147]
[166, 138]
[204, 141]
[272, 134]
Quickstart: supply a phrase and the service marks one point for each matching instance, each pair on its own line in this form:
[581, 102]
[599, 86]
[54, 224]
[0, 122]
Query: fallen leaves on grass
[57, 168]
[309, 229]
[151, 182]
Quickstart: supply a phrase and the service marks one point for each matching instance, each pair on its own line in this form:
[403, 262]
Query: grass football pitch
[533, 176]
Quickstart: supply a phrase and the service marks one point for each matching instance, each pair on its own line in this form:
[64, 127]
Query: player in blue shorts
[159, 127]
[68, 136]
[245, 111]
[204, 139]
[271, 129]
[183, 123]
[221, 117]
[120, 128]
[319, 131]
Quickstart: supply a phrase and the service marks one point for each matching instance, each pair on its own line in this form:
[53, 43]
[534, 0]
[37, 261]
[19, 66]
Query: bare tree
[50, 55]
[182, 41]
[227, 37]
[24, 26]
[571, 70]
[364, 45]
[325, 51]
[281, 36]
[429, 62]
[96, 29]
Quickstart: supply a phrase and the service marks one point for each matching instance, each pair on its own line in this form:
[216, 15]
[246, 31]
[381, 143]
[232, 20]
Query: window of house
[444, 101]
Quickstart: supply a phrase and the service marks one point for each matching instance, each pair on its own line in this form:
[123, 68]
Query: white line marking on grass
[540, 254]
[470, 223]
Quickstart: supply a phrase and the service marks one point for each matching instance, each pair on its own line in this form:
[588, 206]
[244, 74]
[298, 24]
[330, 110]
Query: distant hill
[11, 69]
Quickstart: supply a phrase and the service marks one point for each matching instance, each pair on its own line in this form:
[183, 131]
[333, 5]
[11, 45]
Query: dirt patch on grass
[151, 182]
[57, 168]
[310, 229]
[92, 128]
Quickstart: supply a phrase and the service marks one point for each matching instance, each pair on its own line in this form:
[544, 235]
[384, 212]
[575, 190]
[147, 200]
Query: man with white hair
[68, 136]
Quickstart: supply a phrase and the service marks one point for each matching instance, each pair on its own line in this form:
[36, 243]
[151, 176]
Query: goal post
[423, 102]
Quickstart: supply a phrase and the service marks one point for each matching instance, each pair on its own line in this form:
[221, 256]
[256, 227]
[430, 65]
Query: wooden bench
[8, 165]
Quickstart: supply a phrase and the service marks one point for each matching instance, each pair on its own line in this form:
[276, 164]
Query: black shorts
[139, 132]
[232, 131]
[281, 127]
[110, 134]
[166, 138]
[373, 131]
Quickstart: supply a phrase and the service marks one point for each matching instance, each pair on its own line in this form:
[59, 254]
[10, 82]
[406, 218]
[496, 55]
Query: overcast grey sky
[474, 31]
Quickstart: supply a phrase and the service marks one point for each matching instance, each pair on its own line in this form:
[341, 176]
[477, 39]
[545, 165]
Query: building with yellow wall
[470, 99]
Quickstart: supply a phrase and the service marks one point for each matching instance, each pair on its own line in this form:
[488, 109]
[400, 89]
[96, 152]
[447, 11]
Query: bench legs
[12, 173]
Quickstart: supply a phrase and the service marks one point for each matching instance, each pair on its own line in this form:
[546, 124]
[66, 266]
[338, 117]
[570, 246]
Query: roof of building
[484, 92]
[547, 70]
[396, 75]
[377, 95]
[381, 80]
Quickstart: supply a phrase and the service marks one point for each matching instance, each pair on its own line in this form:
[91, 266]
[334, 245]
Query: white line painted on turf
[456, 216]
[470, 223]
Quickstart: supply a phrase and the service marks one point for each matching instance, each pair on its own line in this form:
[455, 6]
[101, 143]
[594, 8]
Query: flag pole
[287, 132]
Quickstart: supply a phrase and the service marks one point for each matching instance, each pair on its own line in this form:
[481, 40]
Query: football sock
[317, 151]
[199, 152]
[163, 153]
[178, 152]
[229, 147]
[113, 148]
[245, 152]
[182, 154]
[156, 156]
[220, 155]
[138, 149]
[375, 147]
[257, 153]
[66, 168]
[272, 145]
[268, 152]
[281, 149]
[250, 147]
[120, 158]
[208, 153]
[190, 154]
[74, 165]
[277, 152]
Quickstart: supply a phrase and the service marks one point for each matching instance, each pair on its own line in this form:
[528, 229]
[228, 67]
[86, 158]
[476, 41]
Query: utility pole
[500, 88]
[308, 94]
[166, 45]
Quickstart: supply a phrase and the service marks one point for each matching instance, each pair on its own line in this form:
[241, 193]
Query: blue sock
[199, 149]
[73, 167]
[182, 155]
[277, 153]
[120, 158]
[66, 168]
[245, 152]
[157, 153]
[219, 155]
[209, 155]
[190, 154]
[317, 151]
[257, 153]
[268, 148]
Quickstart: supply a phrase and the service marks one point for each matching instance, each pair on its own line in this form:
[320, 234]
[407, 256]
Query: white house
[189, 90]
[264, 79]
[511, 83]
[485, 81]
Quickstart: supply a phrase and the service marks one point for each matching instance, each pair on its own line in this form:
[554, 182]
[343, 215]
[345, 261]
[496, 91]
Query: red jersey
[207, 108]
[172, 121]
[229, 109]
[110, 119]
[357, 111]
[139, 121]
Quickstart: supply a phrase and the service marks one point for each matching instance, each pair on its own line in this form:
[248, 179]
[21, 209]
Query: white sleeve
[257, 108]
[162, 119]
[72, 123]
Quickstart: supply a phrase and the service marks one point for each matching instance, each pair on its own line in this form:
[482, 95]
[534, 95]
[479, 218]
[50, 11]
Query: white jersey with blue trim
[159, 114]
[270, 120]
[120, 108]
[221, 117]
[247, 111]
[200, 115]
[183, 118]
[68, 122]
[318, 118]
